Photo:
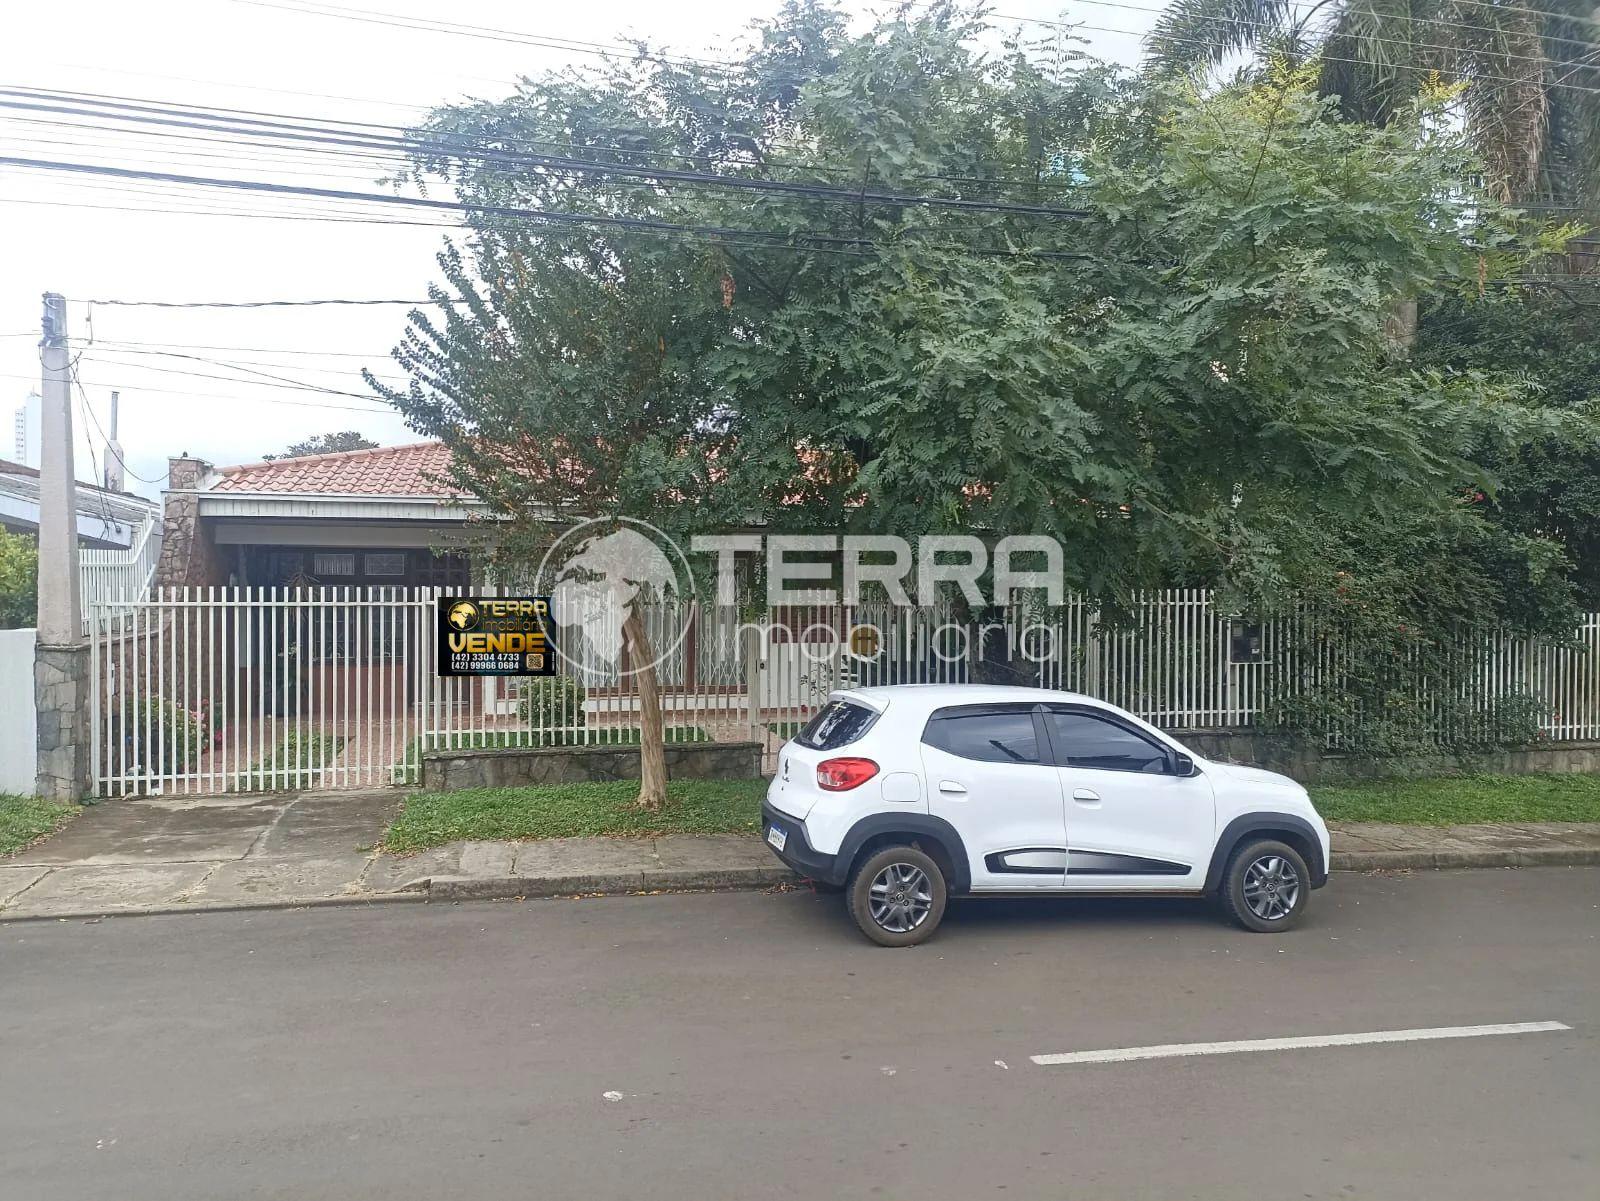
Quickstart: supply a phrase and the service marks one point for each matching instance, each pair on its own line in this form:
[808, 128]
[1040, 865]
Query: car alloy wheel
[900, 897]
[1271, 887]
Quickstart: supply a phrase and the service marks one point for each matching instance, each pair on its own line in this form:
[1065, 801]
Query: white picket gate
[251, 689]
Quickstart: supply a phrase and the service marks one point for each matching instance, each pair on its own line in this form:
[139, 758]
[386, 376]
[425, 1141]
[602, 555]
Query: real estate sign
[495, 636]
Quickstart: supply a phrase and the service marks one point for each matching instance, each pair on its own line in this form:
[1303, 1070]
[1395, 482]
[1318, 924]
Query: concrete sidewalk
[151, 855]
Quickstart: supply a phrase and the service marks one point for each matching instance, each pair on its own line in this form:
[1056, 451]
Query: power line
[488, 33]
[88, 411]
[250, 369]
[797, 240]
[284, 127]
[140, 389]
[245, 304]
[1293, 6]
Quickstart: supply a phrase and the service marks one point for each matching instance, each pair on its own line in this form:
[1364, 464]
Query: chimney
[112, 475]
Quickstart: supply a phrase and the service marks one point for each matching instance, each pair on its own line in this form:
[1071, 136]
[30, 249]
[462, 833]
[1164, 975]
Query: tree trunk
[652, 729]
[1401, 325]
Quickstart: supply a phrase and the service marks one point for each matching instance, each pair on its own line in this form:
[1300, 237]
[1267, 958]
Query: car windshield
[838, 723]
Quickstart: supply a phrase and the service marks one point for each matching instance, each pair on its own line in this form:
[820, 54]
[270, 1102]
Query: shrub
[19, 581]
[551, 703]
[162, 737]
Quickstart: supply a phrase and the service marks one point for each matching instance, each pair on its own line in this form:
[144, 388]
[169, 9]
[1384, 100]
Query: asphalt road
[752, 1045]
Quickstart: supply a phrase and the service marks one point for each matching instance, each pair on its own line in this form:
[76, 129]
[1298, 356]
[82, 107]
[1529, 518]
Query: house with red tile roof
[384, 516]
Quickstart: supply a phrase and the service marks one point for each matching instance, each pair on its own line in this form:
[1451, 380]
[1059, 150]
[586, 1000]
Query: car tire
[1266, 886]
[896, 896]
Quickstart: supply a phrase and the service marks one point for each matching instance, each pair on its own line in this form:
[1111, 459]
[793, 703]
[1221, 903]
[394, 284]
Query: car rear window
[989, 733]
[837, 724]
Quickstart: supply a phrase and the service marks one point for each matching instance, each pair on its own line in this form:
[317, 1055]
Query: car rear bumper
[798, 852]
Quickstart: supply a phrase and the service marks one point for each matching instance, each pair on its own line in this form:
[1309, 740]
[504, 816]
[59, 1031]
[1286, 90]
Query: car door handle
[951, 788]
[1085, 794]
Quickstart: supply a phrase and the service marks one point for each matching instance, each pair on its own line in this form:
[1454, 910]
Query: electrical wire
[285, 127]
[488, 33]
[88, 411]
[797, 240]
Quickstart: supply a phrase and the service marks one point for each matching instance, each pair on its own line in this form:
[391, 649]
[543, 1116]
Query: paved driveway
[156, 852]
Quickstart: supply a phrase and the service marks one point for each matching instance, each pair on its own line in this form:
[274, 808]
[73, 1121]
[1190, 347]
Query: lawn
[1458, 800]
[430, 819]
[25, 820]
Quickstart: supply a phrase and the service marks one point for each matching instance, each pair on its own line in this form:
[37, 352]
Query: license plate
[777, 836]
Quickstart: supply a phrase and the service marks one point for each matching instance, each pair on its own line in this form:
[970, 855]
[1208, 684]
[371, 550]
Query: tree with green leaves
[19, 581]
[1528, 74]
[325, 444]
[884, 283]
[1548, 343]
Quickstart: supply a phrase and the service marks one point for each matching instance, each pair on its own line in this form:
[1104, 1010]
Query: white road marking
[1171, 1050]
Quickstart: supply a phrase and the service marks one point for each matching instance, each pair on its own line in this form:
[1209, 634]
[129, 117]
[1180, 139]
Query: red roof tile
[413, 470]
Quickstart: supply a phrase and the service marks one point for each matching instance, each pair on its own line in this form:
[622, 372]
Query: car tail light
[841, 775]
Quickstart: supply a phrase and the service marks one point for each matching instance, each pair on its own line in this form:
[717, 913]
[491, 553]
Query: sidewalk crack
[270, 827]
[46, 874]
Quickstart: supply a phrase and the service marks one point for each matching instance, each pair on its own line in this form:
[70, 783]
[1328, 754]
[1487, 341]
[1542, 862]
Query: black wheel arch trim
[1265, 823]
[916, 825]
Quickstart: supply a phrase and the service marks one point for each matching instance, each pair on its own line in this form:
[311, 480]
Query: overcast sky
[73, 234]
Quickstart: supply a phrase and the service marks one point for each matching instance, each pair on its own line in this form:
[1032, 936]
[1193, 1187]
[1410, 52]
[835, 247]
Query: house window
[327, 564]
[384, 563]
[442, 570]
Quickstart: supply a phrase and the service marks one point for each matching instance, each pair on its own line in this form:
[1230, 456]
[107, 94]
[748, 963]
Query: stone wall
[510, 767]
[61, 692]
[1309, 765]
[189, 557]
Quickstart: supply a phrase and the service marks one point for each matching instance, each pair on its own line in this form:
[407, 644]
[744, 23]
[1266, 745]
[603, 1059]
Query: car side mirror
[1182, 765]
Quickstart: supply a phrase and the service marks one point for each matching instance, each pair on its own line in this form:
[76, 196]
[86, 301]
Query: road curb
[747, 878]
[92, 914]
[1364, 861]
[483, 888]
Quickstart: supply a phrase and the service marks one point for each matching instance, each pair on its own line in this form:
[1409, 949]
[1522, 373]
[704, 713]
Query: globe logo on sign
[463, 615]
[598, 574]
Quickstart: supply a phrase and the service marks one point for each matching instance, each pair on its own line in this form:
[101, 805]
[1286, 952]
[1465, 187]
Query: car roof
[934, 695]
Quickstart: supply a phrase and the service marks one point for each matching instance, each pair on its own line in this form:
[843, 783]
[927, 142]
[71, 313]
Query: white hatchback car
[909, 794]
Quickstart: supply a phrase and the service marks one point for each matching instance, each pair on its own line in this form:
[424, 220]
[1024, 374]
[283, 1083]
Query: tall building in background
[25, 447]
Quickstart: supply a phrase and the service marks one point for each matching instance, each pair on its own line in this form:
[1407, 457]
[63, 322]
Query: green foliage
[429, 819]
[1460, 800]
[1191, 381]
[1547, 485]
[1521, 79]
[551, 703]
[324, 444]
[19, 581]
[163, 738]
[1392, 634]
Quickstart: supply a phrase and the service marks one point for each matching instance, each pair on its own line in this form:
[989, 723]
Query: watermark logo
[803, 569]
[600, 573]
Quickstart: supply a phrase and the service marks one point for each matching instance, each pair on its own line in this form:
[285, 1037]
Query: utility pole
[61, 659]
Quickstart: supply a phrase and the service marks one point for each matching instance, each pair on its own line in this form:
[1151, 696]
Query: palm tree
[1529, 69]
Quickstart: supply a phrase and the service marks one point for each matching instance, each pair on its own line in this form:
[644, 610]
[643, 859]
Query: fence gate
[217, 690]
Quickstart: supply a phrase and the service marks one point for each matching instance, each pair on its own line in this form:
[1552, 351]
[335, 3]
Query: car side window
[989, 733]
[1084, 740]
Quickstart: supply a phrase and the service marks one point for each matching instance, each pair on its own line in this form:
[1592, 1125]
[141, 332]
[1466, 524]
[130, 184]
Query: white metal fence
[18, 725]
[105, 575]
[249, 689]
